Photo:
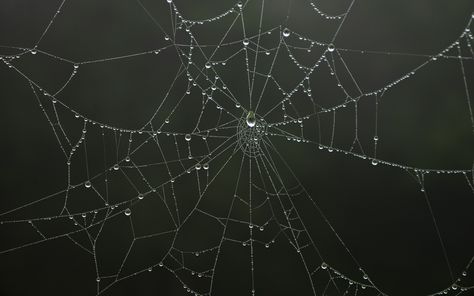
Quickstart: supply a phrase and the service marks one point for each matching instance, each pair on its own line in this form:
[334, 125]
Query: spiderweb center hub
[250, 132]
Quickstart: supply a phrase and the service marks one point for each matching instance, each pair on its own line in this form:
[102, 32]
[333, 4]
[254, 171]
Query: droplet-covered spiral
[250, 132]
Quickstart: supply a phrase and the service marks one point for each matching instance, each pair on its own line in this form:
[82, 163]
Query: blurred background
[380, 212]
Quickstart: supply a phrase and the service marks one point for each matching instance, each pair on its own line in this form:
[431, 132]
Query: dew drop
[88, 184]
[324, 265]
[331, 47]
[286, 32]
[246, 42]
[116, 167]
[128, 212]
[187, 137]
[251, 120]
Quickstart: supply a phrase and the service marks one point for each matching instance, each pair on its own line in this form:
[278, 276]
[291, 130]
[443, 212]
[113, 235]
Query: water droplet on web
[239, 4]
[324, 265]
[375, 162]
[246, 42]
[116, 167]
[141, 196]
[208, 65]
[331, 47]
[198, 166]
[88, 184]
[205, 166]
[34, 52]
[169, 1]
[250, 119]
[187, 137]
[127, 159]
[286, 32]
[128, 212]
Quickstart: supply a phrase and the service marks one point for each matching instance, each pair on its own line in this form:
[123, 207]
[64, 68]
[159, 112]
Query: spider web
[208, 181]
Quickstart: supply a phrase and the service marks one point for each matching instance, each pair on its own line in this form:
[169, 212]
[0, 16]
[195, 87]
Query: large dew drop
[251, 120]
